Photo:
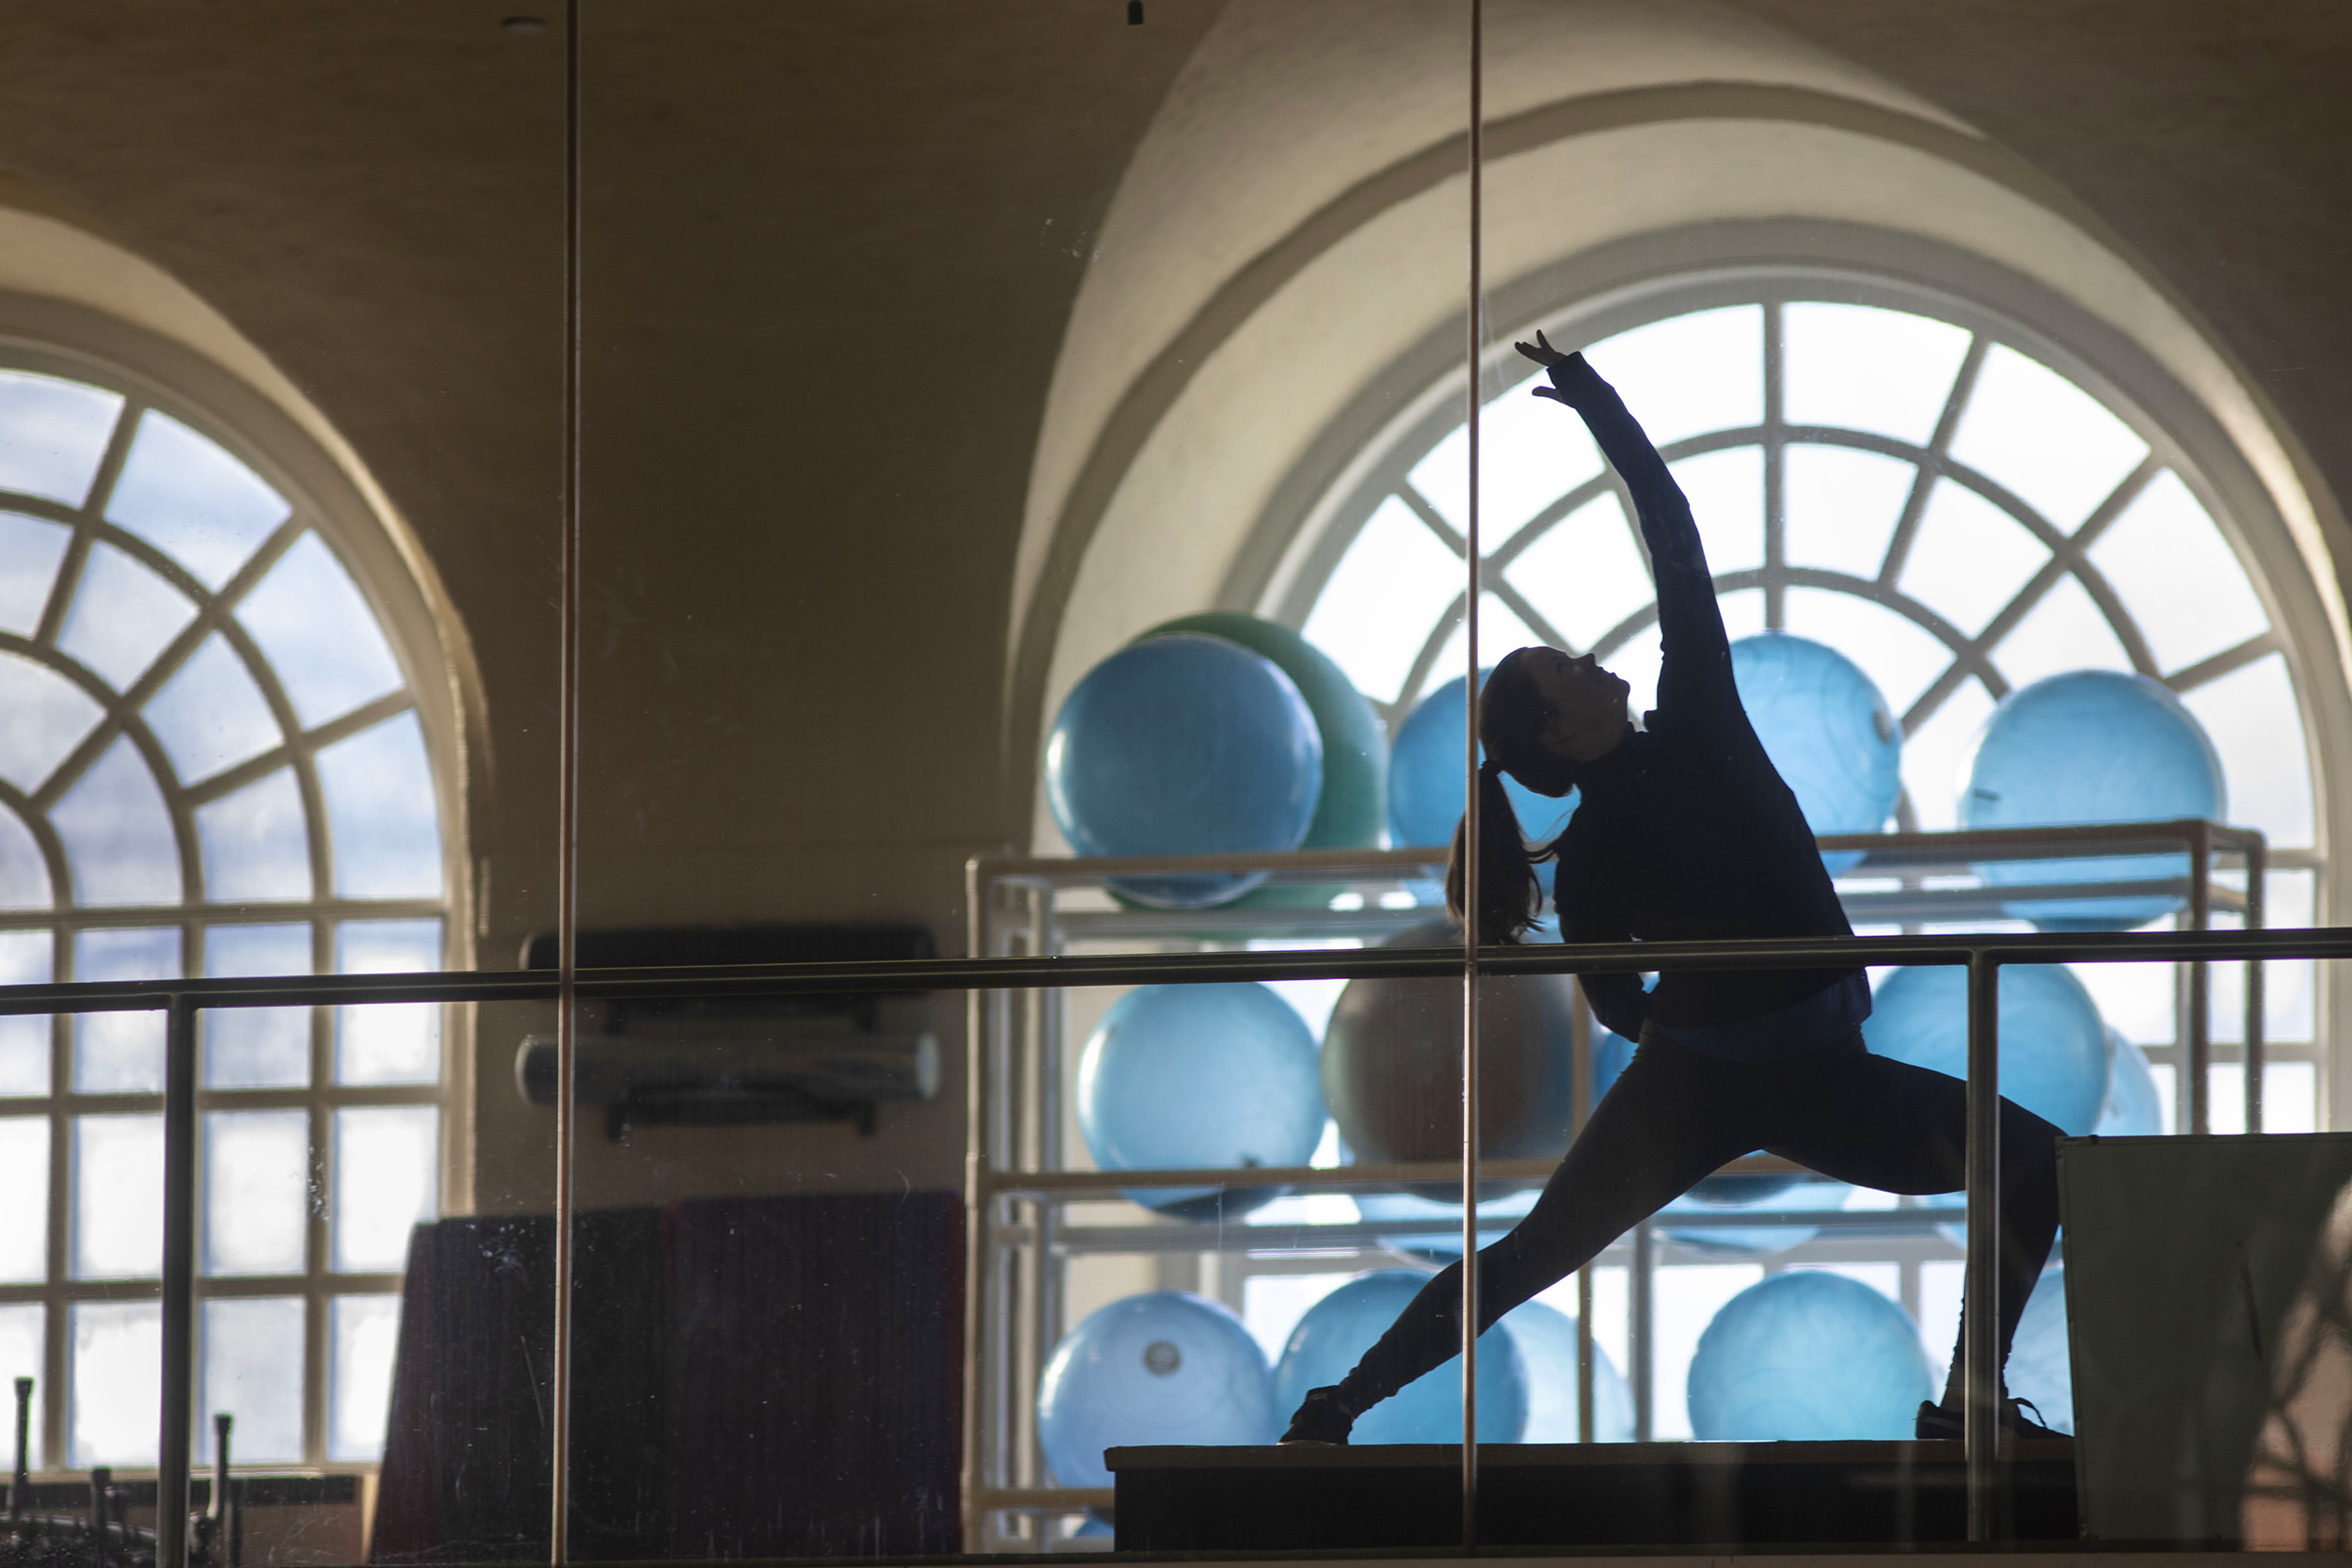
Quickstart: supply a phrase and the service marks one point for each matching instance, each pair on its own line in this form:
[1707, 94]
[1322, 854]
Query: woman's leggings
[1674, 1116]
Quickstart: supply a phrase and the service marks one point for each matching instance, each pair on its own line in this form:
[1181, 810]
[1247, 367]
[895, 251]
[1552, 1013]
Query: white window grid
[363, 1298]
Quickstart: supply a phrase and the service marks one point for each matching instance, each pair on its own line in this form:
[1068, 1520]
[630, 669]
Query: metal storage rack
[1020, 1184]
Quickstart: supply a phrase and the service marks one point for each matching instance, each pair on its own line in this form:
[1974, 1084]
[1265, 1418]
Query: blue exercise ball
[2040, 1368]
[1184, 745]
[2053, 1045]
[1183, 1076]
[1354, 801]
[2132, 1109]
[1161, 1369]
[1435, 1249]
[1336, 1332]
[1612, 1054]
[1425, 768]
[1546, 1344]
[1828, 731]
[1744, 1193]
[2089, 747]
[1806, 1357]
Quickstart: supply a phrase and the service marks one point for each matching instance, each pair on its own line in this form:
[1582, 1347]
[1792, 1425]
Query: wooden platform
[1695, 1494]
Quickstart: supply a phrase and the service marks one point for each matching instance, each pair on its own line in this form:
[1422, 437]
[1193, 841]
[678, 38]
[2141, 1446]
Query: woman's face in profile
[1587, 703]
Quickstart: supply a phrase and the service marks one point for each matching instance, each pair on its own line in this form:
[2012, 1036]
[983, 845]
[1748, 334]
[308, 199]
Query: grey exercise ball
[1392, 1063]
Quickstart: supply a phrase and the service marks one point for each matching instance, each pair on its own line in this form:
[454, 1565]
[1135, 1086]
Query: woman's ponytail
[1508, 894]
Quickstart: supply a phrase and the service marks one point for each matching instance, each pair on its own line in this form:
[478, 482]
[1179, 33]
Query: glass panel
[30, 549]
[320, 634]
[1395, 576]
[24, 872]
[1843, 505]
[2178, 576]
[250, 1366]
[2049, 442]
[118, 835]
[257, 1048]
[1969, 558]
[1859, 368]
[257, 1173]
[256, 843]
[24, 961]
[118, 1382]
[1936, 754]
[1583, 574]
[2254, 720]
[387, 1183]
[25, 1217]
[2064, 632]
[1726, 495]
[48, 716]
[122, 1053]
[211, 715]
[52, 435]
[398, 1042]
[123, 615]
[363, 1336]
[1901, 657]
[1531, 458]
[1691, 374]
[118, 1198]
[381, 807]
[180, 492]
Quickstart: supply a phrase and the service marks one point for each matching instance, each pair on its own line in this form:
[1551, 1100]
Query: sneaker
[1936, 1423]
[1322, 1421]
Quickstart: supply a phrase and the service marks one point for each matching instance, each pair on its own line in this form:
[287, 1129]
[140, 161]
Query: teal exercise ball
[1161, 1369]
[1391, 1063]
[1354, 803]
[1336, 1332]
[1184, 745]
[2132, 1109]
[1830, 734]
[2054, 1044]
[1425, 778]
[1806, 1357]
[1546, 1339]
[1177, 1077]
[2089, 747]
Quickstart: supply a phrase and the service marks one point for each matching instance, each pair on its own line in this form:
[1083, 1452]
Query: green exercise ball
[1355, 752]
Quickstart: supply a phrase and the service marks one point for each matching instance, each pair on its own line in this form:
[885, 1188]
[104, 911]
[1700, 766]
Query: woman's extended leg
[1877, 1122]
[1672, 1118]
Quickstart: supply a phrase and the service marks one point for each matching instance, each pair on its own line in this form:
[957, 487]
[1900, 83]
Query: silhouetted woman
[1686, 832]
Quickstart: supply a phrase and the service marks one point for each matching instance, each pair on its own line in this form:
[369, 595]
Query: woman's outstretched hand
[1571, 377]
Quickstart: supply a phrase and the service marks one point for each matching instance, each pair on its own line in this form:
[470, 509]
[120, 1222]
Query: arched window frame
[1361, 458]
[304, 464]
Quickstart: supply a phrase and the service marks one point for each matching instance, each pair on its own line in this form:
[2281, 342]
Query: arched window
[214, 763]
[1939, 495]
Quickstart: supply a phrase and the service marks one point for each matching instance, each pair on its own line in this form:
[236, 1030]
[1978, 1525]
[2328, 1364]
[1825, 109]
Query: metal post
[1642, 1350]
[176, 1439]
[976, 1201]
[1980, 1338]
[1581, 1112]
[23, 1478]
[567, 826]
[1469, 802]
[2200, 980]
[2257, 977]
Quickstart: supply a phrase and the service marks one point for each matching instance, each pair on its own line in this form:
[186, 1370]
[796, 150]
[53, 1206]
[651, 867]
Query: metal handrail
[182, 1000]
